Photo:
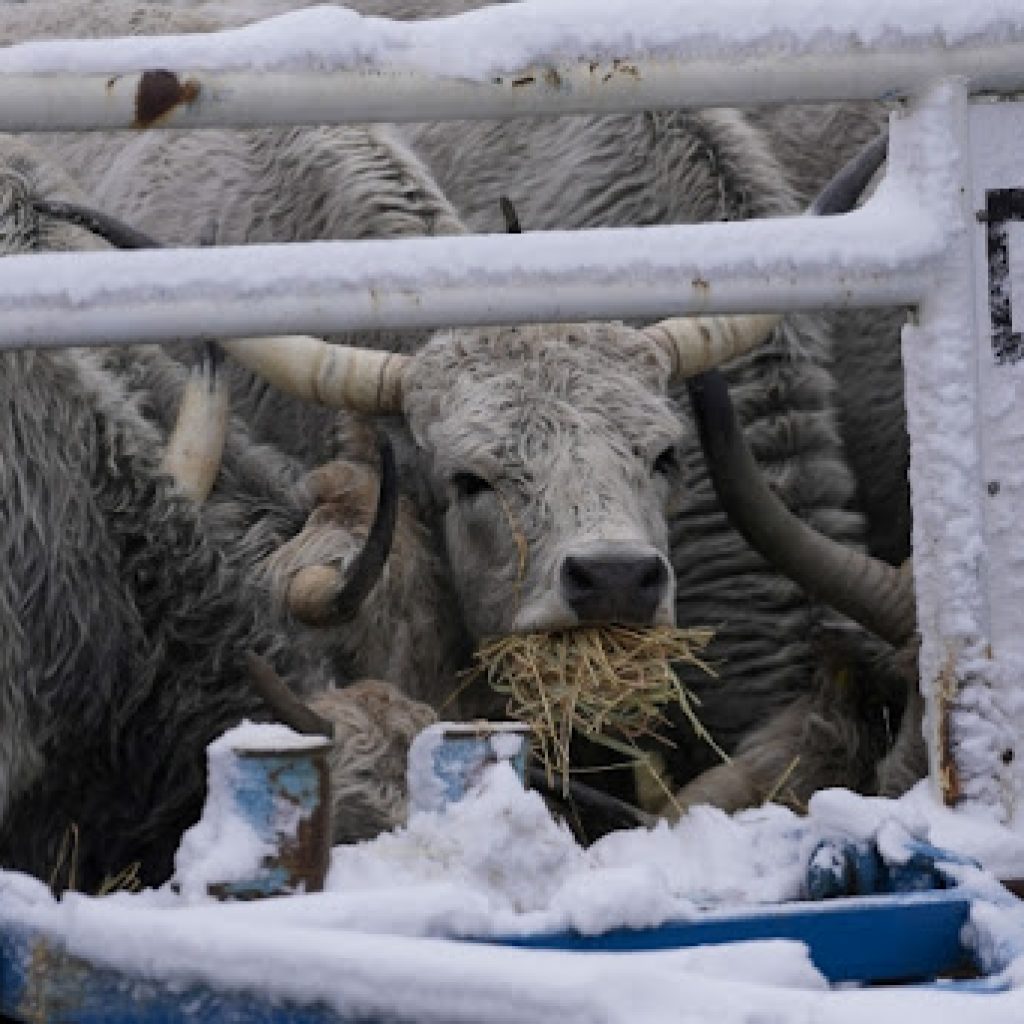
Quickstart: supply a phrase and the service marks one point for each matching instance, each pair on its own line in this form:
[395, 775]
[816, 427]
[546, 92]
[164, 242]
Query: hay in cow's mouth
[611, 684]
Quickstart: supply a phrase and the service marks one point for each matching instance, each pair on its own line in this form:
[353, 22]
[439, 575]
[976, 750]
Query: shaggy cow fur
[126, 613]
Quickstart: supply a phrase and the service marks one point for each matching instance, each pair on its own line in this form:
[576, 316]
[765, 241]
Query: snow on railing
[320, 287]
[329, 65]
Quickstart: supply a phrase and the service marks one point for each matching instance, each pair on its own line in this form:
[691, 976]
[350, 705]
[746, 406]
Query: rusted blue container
[284, 795]
[448, 759]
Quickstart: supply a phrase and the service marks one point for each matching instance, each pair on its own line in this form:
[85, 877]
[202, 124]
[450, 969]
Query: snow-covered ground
[496, 863]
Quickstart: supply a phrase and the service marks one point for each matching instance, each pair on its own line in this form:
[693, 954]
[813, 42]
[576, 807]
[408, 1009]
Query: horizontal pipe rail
[324, 287]
[428, 71]
[200, 99]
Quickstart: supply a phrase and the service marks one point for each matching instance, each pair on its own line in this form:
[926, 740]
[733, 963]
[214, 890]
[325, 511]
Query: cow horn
[877, 595]
[696, 344]
[196, 446]
[334, 375]
[320, 595]
[287, 708]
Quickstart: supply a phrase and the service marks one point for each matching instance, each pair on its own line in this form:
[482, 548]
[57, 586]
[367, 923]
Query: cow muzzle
[623, 583]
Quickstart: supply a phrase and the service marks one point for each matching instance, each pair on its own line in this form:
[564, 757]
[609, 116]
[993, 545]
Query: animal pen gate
[941, 238]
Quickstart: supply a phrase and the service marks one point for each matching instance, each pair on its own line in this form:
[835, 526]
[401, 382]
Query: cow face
[549, 452]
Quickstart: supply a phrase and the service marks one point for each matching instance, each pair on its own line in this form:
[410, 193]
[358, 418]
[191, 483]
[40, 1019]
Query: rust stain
[552, 78]
[625, 68]
[308, 856]
[158, 93]
[946, 689]
[525, 80]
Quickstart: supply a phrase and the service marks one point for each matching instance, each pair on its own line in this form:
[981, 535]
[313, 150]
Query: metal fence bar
[240, 99]
[329, 65]
[57, 299]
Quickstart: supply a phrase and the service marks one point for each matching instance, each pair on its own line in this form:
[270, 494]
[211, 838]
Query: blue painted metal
[41, 984]
[843, 867]
[876, 939]
[284, 795]
[466, 750]
[881, 938]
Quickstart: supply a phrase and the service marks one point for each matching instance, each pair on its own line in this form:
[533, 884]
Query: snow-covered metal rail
[157, 295]
[325, 66]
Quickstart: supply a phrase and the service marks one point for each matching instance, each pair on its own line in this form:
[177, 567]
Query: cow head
[548, 452]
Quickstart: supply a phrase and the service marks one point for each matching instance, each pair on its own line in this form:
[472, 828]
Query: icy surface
[505, 38]
[496, 863]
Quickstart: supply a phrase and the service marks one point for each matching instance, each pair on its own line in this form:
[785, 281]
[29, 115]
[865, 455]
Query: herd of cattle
[547, 475]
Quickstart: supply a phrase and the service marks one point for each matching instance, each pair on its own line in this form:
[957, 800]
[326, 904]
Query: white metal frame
[927, 257]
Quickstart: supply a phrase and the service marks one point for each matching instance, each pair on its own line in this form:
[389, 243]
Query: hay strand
[612, 684]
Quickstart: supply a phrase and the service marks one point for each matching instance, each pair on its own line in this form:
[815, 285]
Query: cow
[128, 613]
[316, 183]
[546, 457]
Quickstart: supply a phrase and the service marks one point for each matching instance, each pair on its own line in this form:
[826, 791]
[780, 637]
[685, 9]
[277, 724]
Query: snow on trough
[499, 39]
[379, 938]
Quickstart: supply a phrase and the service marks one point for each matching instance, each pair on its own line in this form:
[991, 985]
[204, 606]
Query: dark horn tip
[508, 211]
[619, 813]
[114, 231]
[285, 706]
[369, 563]
[840, 195]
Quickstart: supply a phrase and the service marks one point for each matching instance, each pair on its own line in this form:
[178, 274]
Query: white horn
[697, 344]
[196, 446]
[334, 375]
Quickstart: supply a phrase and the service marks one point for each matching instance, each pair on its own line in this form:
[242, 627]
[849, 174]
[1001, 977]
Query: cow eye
[469, 485]
[667, 462]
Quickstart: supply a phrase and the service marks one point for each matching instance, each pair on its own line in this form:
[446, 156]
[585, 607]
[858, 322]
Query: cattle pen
[939, 237]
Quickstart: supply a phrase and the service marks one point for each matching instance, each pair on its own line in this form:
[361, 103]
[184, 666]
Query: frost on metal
[494, 40]
[963, 568]
[329, 65]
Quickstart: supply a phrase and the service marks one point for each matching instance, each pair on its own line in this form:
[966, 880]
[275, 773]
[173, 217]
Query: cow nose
[614, 588]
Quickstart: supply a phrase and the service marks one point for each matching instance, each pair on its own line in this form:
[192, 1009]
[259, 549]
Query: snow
[495, 40]
[495, 863]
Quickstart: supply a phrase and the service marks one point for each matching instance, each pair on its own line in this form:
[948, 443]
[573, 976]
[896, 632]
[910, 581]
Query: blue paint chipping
[39, 983]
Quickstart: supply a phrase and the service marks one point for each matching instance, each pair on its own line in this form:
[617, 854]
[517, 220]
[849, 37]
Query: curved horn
[877, 595]
[116, 232]
[287, 708]
[321, 595]
[334, 375]
[695, 344]
[196, 446]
